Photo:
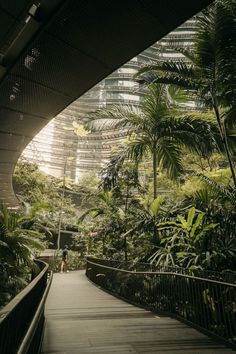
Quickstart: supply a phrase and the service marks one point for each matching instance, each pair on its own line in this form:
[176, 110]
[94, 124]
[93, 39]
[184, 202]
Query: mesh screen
[30, 97]
[12, 17]
[52, 68]
[20, 123]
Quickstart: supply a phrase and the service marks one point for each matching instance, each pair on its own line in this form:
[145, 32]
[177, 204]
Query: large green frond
[156, 205]
[191, 132]
[169, 157]
[187, 52]
[215, 48]
[135, 150]
[156, 106]
[138, 148]
[228, 192]
[177, 73]
[117, 117]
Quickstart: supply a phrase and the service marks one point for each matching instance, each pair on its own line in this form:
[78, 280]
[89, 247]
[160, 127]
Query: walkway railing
[207, 304]
[22, 319]
[226, 276]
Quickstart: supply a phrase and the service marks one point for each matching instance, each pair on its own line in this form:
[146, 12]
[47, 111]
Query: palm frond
[228, 191]
[194, 133]
[134, 150]
[138, 148]
[109, 174]
[187, 52]
[169, 157]
[177, 73]
[117, 117]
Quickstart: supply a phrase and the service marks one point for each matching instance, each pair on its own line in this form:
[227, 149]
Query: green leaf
[191, 215]
[184, 223]
[156, 204]
[196, 224]
[204, 230]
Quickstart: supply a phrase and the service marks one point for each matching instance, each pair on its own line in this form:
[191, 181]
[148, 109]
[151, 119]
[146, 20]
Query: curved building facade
[60, 146]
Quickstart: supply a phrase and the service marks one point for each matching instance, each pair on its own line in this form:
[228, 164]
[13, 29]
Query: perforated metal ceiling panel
[62, 50]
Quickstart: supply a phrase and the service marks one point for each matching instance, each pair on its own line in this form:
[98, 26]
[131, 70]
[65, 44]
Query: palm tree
[208, 70]
[157, 129]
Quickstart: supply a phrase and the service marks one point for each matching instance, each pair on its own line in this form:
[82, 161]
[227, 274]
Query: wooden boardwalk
[82, 319]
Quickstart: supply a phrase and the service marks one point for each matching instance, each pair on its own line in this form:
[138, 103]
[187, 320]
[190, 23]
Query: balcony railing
[206, 304]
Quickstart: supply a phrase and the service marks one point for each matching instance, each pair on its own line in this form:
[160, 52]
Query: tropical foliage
[193, 226]
[208, 71]
[185, 242]
[159, 129]
[18, 245]
[166, 195]
[45, 200]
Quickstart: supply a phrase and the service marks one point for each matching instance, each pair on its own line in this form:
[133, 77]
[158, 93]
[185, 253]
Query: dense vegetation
[192, 224]
[167, 195]
[19, 243]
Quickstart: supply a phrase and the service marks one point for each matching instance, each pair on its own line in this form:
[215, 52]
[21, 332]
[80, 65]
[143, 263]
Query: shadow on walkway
[82, 319]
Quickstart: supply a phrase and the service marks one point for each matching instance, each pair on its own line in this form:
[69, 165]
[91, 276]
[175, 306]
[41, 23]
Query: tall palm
[157, 129]
[209, 69]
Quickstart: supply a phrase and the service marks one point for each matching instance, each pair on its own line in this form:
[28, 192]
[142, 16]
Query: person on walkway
[64, 261]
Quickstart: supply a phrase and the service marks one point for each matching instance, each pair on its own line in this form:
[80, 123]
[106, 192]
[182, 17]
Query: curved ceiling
[53, 51]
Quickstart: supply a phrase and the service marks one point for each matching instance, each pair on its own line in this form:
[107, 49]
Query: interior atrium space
[63, 147]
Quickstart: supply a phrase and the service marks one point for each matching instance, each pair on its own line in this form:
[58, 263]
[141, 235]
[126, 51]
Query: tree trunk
[103, 245]
[154, 166]
[224, 140]
[126, 208]
[62, 204]
[126, 251]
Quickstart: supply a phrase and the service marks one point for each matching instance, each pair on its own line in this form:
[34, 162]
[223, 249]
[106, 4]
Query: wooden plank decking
[82, 319]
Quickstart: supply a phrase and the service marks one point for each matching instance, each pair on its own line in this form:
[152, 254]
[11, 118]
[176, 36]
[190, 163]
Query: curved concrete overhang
[53, 51]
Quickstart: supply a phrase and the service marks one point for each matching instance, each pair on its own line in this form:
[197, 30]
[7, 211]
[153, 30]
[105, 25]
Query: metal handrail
[206, 304]
[26, 342]
[226, 277]
[160, 273]
[22, 319]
